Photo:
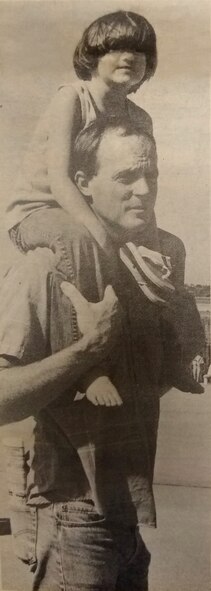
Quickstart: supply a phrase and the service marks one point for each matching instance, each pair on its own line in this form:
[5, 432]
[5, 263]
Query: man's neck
[117, 235]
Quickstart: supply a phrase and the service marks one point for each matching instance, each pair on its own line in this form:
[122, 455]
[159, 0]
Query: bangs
[120, 33]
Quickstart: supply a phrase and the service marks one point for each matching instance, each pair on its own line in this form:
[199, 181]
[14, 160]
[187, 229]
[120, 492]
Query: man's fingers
[78, 299]
[74, 295]
[100, 318]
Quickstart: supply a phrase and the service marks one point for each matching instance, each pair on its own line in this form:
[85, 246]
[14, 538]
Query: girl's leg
[41, 228]
[47, 227]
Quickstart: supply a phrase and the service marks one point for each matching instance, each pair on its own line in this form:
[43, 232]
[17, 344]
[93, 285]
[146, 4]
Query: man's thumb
[77, 299]
[109, 294]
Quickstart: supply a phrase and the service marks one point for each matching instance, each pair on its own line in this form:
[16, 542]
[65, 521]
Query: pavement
[180, 546]
[184, 440]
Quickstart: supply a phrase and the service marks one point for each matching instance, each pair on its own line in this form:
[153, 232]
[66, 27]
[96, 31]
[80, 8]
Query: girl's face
[122, 67]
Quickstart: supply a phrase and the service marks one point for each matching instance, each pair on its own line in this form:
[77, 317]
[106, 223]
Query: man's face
[124, 187]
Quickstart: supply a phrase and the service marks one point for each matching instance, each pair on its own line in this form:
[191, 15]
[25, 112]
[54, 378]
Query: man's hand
[26, 389]
[100, 321]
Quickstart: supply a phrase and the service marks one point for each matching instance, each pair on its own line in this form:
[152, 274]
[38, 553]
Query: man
[90, 468]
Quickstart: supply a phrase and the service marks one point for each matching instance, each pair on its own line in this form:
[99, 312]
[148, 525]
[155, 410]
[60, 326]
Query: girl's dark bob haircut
[121, 30]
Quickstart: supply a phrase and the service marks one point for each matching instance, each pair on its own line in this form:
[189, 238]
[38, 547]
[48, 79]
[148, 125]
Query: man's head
[116, 171]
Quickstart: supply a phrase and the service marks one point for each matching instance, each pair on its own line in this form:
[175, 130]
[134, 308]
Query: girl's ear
[82, 182]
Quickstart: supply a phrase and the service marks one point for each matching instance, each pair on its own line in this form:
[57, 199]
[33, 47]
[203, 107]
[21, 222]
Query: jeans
[74, 549]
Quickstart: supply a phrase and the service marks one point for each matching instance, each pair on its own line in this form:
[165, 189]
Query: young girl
[116, 54]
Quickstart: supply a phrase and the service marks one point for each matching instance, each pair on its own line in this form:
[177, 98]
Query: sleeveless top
[33, 190]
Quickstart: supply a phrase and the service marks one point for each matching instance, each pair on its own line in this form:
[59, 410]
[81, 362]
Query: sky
[37, 40]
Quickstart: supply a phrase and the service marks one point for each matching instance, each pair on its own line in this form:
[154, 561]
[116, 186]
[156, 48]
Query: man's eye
[126, 179]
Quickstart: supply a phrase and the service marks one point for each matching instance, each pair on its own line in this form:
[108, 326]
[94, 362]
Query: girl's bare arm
[65, 124]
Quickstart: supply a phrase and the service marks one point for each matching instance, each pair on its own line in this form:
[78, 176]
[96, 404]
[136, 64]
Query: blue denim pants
[72, 548]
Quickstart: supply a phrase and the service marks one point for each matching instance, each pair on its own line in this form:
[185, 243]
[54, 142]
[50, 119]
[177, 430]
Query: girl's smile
[122, 67]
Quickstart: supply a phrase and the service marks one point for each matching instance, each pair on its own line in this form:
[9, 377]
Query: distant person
[198, 366]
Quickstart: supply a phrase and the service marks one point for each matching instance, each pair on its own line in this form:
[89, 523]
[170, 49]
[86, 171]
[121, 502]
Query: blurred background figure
[197, 368]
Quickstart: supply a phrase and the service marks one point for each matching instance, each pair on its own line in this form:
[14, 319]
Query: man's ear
[83, 184]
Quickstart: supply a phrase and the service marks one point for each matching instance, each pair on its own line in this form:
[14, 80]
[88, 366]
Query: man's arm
[24, 390]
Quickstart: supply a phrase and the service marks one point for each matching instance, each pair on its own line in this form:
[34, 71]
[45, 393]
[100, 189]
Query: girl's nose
[141, 187]
[128, 56]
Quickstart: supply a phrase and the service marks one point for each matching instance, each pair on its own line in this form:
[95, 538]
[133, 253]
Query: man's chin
[137, 224]
[131, 233]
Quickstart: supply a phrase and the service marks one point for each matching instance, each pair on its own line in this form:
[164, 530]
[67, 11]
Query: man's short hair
[88, 141]
[121, 30]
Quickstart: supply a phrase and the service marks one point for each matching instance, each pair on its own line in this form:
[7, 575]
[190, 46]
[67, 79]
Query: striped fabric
[151, 271]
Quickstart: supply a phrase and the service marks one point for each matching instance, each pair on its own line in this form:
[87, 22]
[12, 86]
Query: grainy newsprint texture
[105, 393]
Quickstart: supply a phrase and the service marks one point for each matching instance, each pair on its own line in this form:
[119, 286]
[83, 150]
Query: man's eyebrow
[145, 166]
[125, 171]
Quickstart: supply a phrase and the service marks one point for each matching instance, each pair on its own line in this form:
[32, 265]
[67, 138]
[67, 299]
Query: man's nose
[141, 187]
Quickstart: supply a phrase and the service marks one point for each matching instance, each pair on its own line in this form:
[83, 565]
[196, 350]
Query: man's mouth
[129, 68]
[139, 212]
[140, 209]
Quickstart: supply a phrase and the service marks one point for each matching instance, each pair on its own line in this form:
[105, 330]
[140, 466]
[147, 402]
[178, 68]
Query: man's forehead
[117, 149]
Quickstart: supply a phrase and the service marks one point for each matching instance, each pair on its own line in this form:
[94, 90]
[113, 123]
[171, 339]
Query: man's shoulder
[171, 245]
[24, 305]
[79, 233]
